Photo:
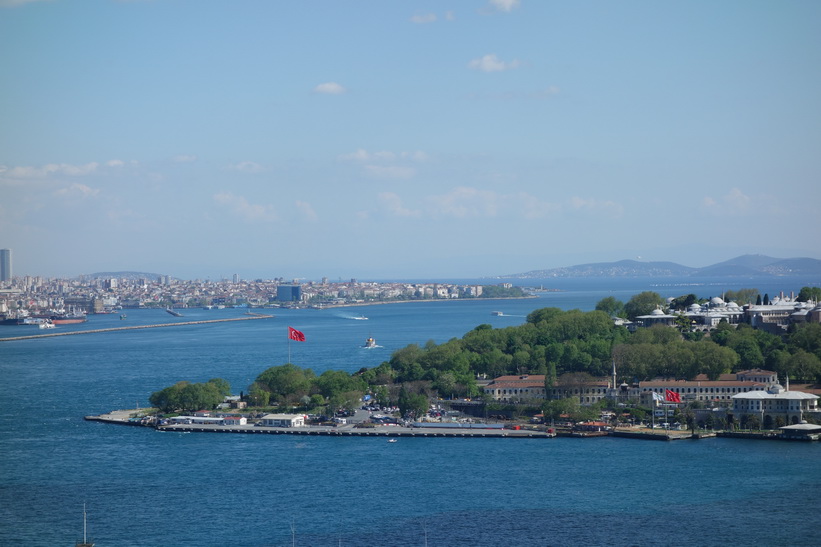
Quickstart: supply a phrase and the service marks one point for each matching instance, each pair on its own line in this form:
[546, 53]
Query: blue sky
[430, 139]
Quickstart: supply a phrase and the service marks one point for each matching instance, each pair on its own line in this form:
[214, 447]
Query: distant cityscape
[105, 293]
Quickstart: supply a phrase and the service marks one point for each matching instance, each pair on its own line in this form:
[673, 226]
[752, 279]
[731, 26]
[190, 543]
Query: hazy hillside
[742, 266]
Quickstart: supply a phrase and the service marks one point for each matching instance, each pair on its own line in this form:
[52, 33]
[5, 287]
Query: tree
[611, 306]
[287, 382]
[809, 294]
[643, 304]
[714, 360]
[414, 405]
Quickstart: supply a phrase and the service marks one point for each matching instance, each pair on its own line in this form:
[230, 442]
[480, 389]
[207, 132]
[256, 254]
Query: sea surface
[143, 487]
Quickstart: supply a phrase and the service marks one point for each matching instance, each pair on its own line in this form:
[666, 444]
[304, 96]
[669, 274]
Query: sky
[405, 140]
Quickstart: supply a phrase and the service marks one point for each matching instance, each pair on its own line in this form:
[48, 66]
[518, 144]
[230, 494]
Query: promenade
[135, 327]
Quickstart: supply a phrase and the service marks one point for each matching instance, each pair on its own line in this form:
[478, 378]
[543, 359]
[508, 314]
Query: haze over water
[146, 488]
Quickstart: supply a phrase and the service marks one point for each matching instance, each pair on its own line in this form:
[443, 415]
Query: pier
[136, 327]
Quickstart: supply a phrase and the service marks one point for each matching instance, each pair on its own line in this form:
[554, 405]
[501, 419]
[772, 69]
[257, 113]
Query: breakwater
[137, 327]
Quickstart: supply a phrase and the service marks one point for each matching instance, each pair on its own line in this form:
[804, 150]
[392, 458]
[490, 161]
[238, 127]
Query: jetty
[137, 327]
[132, 418]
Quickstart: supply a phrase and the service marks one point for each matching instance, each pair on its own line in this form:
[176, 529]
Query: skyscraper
[5, 264]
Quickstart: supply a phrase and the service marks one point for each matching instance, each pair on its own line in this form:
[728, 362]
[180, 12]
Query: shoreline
[121, 417]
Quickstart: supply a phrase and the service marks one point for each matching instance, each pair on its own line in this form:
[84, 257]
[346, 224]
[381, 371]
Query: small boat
[123, 316]
[361, 318]
[391, 440]
[497, 313]
[85, 542]
[47, 324]
[370, 343]
[174, 313]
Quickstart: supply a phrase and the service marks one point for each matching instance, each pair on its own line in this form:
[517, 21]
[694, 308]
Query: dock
[122, 417]
[137, 327]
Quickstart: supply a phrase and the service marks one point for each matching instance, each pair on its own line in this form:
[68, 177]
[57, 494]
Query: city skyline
[404, 140]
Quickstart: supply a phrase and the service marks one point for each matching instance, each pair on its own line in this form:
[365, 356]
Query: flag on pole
[671, 396]
[657, 396]
[295, 335]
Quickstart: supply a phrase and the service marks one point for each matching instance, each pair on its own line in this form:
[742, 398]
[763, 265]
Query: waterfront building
[508, 389]
[775, 402]
[5, 265]
[589, 390]
[283, 420]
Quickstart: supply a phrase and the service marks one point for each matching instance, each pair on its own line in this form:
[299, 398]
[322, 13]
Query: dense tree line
[552, 342]
[188, 397]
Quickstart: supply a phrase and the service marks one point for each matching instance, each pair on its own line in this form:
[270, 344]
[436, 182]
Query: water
[143, 487]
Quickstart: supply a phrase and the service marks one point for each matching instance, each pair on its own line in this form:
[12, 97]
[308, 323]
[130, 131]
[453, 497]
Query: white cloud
[77, 191]
[609, 208]
[239, 206]
[491, 63]
[463, 202]
[735, 202]
[50, 170]
[246, 167]
[362, 155]
[422, 19]
[393, 204]
[504, 5]
[307, 211]
[184, 158]
[330, 88]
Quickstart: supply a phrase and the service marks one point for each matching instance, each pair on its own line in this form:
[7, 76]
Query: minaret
[787, 387]
[614, 375]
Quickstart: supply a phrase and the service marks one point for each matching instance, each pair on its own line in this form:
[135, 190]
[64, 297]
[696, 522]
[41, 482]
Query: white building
[775, 402]
[283, 420]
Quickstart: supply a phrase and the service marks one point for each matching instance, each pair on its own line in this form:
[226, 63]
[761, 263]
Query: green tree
[287, 382]
[809, 294]
[611, 306]
[414, 405]
[643, 304]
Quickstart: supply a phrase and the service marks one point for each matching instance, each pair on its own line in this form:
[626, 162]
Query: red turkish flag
[671, 396]
[295, 335]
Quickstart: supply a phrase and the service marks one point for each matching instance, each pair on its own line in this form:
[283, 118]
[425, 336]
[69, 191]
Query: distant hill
[742, 266]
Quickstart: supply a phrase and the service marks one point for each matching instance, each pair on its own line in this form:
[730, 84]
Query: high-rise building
[289, 293]
[5, 264]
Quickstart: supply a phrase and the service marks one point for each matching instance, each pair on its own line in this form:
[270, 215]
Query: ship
[63, 317]
[370, 343]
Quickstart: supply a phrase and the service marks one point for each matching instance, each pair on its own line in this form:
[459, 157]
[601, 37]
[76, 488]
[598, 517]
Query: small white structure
[283, 420]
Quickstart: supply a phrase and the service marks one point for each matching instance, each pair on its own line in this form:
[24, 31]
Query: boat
[46, 325]
[63, 317]
[85, 542]
[361, 318]
[18, 317]
[123, 316]
[370, 343]
[497, 313]
[391, 440]
[172, 312]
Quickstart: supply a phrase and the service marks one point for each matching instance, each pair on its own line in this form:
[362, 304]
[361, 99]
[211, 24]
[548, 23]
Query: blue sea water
[144, 487]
